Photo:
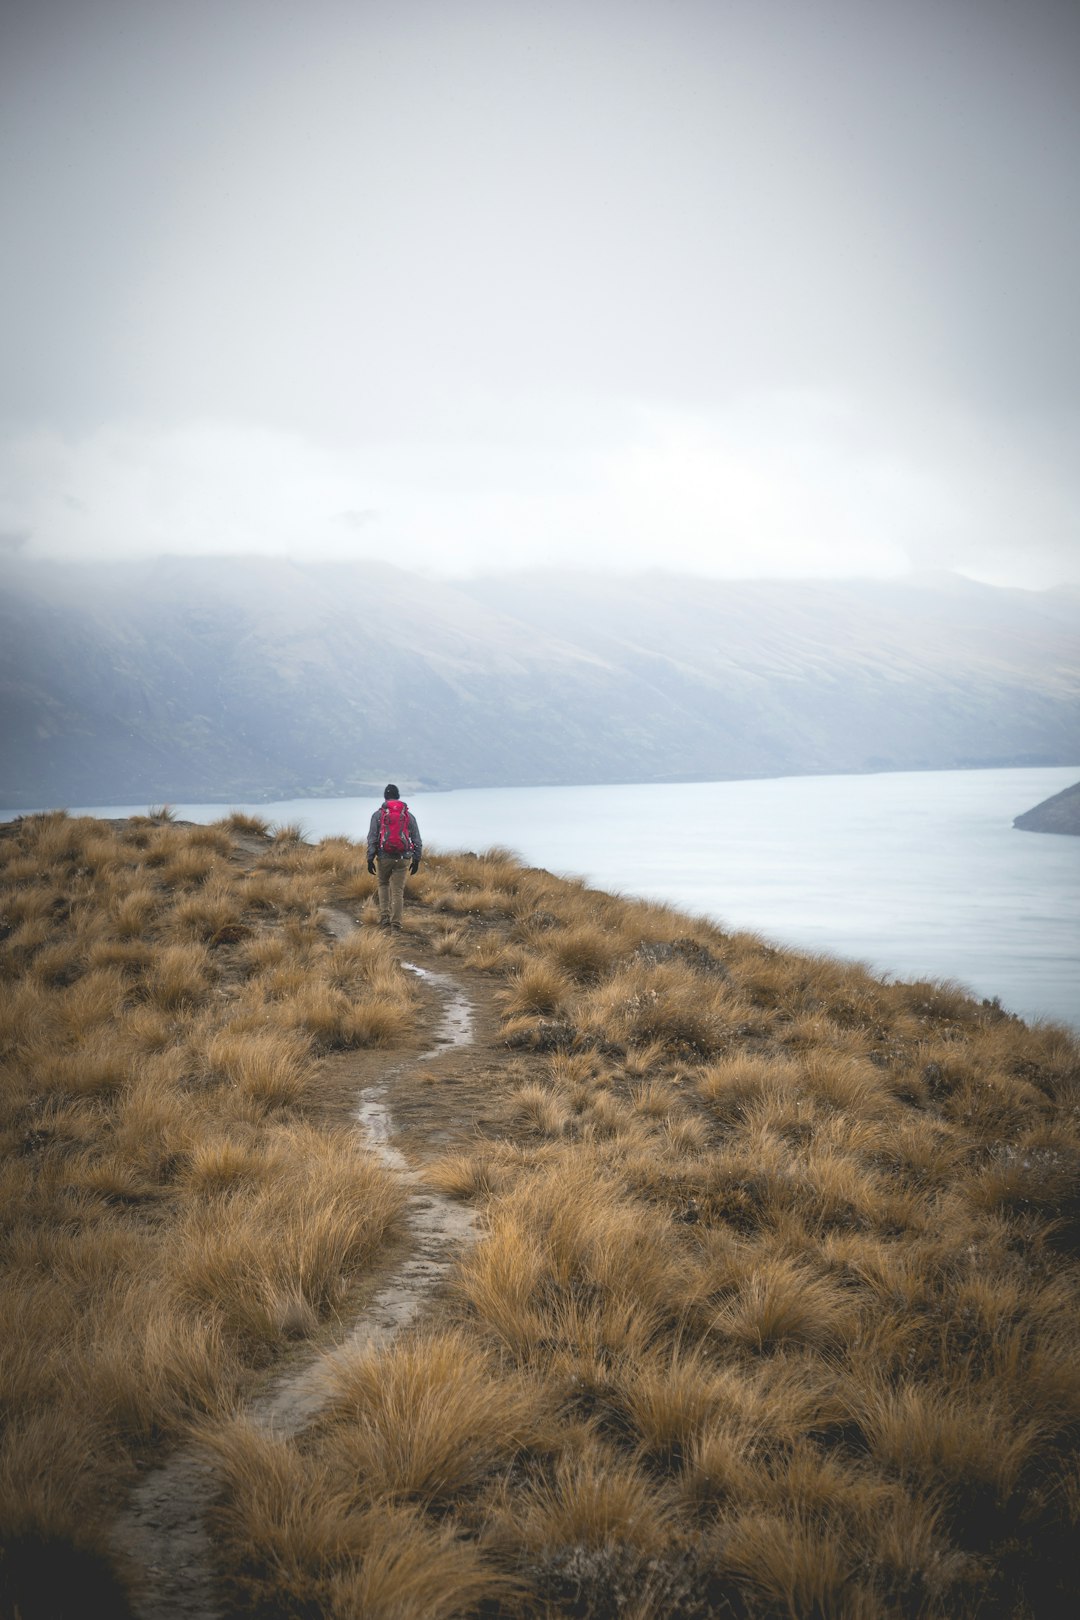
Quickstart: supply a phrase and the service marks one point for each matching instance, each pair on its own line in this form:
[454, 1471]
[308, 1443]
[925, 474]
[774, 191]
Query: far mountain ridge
[248, 678]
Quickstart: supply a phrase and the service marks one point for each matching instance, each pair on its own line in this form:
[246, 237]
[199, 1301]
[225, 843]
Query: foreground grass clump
[773, 1313]
[177, 1201]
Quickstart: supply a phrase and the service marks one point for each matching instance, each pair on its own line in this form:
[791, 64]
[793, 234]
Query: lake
[919, 874]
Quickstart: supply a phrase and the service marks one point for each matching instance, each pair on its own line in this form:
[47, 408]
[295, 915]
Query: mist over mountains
[244, 678]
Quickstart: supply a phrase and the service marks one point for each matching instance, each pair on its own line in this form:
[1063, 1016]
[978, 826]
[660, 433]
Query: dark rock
[544, 920]
[545, 1035]
[686, 952]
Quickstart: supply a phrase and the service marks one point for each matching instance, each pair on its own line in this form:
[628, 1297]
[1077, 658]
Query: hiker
[393, 843]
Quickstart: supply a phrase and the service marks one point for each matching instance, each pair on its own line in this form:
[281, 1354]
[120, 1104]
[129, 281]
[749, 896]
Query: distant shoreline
[11, 812]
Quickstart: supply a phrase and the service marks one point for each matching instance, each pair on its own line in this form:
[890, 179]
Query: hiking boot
[384, 922]
[395, 928]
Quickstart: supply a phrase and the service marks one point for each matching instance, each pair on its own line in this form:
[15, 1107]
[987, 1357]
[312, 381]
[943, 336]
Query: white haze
[748, 287]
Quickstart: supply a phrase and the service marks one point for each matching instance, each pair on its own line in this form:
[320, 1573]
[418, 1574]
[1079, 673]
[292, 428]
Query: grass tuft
[269, 1066]
[425, 1421]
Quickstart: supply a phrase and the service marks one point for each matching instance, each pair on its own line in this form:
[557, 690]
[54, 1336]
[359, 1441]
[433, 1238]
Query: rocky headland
[1059, 814]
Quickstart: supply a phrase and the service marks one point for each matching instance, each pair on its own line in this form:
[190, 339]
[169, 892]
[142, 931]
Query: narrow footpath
[162, 1534]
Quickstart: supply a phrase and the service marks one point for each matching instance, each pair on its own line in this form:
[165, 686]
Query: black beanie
[391, 791]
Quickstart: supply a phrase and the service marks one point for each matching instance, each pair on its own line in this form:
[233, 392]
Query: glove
[415, 867]
[371, 866]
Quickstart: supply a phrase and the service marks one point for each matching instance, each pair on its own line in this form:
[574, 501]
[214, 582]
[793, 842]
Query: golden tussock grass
[535, 1108]
[179, 978]
[169, 1218]
[212, 835]
[339, 859]
[96, 1067]
[330, 1000]
[243, 821]
[274, 890]
[28, 905]
[427, 1420]
[150, 1029]
[212, 916]
[160, 1377]
[481, 1174]
[535, 989]
[286, 833]
[361, 960]
[661, 1005]
[733, 1086]
[51, 1468]
[262, 952]
[130, 956]
[189, 867]
[780, 1302]
[772, 1310]
[273, 1250]
[132, 910]
[490, 954]
[594, 1500]
[954, 1439]
[450, 941]
[411, 1566]
[52, 964]
[584, 952]
[98, 997]
[271, 1066]
[298, 1541]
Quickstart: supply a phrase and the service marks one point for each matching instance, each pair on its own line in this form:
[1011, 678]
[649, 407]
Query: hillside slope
[771, 1309]
[1058, 814]
[226, 679]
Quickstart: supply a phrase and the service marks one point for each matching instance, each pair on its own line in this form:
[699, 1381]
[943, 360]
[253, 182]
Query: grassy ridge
[774, 1309]
[176, 1203]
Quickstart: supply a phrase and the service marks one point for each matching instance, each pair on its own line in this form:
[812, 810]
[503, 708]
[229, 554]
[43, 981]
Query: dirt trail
[161, 1534]
[438, 1228]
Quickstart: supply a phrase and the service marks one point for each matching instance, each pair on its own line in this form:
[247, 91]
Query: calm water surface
[919, 874]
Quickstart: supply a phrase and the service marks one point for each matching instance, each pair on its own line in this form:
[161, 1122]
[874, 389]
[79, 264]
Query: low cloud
[796, 483]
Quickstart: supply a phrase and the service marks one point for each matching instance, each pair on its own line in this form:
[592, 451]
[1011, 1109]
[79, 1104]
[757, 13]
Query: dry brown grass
[179, 978]
[291, 1529]
[213, 916]
[278, 889]
[189, 866]
[773, 1308]
[270, 1253]
[643, 1005]
[535, 989]
[427, 1420]
[242, 821]
[169, 1216]
[271, 1066]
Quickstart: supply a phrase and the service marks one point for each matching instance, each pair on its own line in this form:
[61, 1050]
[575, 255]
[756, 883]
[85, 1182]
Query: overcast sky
[746, 287]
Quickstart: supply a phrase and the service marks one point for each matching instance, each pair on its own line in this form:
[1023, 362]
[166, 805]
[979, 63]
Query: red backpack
[394, 828]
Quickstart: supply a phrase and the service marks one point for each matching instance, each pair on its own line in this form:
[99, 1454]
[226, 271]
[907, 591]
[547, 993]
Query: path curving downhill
[161, 1534]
